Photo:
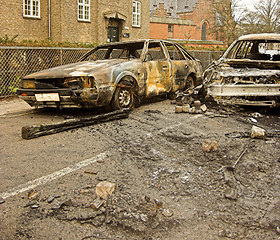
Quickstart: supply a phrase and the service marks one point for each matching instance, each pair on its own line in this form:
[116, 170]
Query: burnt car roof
[261, 36]
[132, 42]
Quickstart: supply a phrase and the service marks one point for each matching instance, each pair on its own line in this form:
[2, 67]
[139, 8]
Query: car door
[180, 67]
[157, 69]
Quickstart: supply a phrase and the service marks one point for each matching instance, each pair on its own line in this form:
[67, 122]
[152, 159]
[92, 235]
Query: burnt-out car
[248, 73]
[114, 74]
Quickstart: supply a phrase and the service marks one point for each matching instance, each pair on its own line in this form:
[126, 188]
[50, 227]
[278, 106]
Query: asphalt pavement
[13, 105]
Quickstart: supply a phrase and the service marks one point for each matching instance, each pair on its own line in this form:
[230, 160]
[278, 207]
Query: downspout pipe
[49, 19]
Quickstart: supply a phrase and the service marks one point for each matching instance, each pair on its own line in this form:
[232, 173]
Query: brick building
[181, 19]
[75, 20]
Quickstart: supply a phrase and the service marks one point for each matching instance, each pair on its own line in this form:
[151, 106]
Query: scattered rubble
[253, 120]
[257, 132]
[32, 195]
[51, 198]
[2, 200]
[97, 203]
[192, 178]
[209, 146]
[90, 172]
[35, 206]
[103, 189]
[256, 115]
[189, 101]
[167, 213]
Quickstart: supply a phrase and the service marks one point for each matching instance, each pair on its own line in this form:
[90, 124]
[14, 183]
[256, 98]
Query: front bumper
[245, 94]
[67, 97]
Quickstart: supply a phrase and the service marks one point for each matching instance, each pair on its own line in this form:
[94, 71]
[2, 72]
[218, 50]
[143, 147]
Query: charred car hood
[239, 71]
[86, 68]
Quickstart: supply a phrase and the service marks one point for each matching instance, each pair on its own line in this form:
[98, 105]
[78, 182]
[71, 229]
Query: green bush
[7, 41]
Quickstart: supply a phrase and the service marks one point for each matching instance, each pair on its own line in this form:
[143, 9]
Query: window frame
[30, 9]
[83, 6]
[152, 46]
[136, 15]
[174, 53]
[170, 28]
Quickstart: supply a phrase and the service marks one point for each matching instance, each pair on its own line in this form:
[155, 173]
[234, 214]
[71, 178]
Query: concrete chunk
[203, 108]
[210, 146]
[257, 132]
[186, 108]
[103, 189]
[178, 109]
[197, 104]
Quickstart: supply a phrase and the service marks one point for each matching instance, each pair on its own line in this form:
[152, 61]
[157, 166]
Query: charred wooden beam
[29, 132]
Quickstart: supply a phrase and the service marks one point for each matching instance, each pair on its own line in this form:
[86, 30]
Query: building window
[136, 13]
[204, 31]
[170, 30]
[84, 10]
[31, 8]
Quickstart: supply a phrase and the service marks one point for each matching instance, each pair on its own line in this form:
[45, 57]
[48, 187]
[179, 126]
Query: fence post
[60, 56]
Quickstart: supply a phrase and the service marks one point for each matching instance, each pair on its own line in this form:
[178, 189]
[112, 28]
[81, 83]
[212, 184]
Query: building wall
[65, 25]
[123, 7]
[64, 22]
[158, 31]
[12, 21]
[200, 13]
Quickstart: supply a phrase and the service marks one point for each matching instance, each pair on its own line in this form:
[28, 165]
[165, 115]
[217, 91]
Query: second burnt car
[114, 74]
[248, 73]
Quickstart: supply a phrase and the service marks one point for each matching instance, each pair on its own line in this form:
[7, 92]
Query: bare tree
[268, 13]
[226, 14]
[265, 17]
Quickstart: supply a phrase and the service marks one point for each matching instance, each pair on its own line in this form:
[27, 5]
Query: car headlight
[79, 82]
[28, 84]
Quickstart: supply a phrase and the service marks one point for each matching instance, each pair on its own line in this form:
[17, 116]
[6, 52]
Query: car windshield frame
[250, 49]
[115, 51]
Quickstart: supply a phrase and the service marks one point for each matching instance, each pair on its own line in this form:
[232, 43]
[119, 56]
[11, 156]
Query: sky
[248, 3]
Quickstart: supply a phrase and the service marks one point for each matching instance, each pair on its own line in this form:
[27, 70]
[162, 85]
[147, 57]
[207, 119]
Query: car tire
[123, 98]
[189, 82]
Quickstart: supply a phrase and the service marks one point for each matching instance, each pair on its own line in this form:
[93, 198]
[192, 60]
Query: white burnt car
[116, 75]
[248, 73]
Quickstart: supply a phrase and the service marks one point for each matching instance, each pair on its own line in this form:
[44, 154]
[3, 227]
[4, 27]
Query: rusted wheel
[123, 98]
[189, 82]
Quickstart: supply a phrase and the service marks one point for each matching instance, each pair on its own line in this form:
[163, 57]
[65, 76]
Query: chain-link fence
[16, 62]
[206, 57]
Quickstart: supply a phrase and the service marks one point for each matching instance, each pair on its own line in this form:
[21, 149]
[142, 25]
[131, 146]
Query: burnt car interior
[155, 52]
[121, 51]
[134, 50]
[174, 52]
[256, 50]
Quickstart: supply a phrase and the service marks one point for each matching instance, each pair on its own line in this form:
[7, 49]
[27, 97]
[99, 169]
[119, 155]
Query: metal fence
[16, 62]
[206, 57]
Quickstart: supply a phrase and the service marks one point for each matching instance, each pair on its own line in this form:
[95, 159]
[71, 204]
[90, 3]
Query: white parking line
[43, 180]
